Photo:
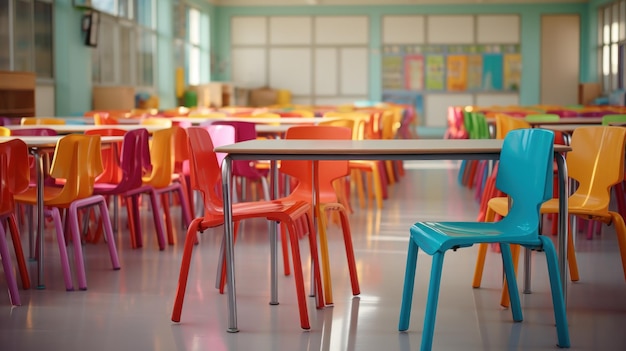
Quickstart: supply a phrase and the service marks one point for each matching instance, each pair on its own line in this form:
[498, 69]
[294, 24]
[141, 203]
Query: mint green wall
[530, 21]
[72, 61]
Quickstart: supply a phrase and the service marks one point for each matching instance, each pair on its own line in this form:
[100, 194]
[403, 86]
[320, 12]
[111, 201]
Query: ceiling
[378, 2]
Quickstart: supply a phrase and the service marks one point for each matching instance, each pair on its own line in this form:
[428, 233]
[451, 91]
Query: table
[570, 120]
[405, 149]
[81, 128]
[38, 145]
[258, 120]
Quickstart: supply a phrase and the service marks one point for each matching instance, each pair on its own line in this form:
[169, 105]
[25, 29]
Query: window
[612, 45]
[43, 40]
[191, 43]
[126, 51]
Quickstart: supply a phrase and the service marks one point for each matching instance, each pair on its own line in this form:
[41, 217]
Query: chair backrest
[41, 120]
[597, 160]
[525, 173]
[5, 121]
[104, 118]
[77, 159]
[243, 131]
[328, 171]
[162, 155]
[14, 172]
[110, 158]
[542, 117]
[156, 121]
[5, 131]
[34, 132]
[608, 119]
[135, 158]
[206, 176]
[506, 123]
[221, 135]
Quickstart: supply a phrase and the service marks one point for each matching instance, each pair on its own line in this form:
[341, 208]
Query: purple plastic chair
[135, 158]
[246, 170]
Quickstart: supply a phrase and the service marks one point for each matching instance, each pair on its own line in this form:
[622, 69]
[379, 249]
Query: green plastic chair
[525, 173]
[542, 117]
[608, 119]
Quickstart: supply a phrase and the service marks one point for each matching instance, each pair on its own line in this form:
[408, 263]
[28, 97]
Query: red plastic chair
[328, 171]
[14, 178]
[206, 178]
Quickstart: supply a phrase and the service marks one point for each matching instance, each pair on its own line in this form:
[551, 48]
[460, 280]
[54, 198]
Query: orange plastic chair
[104, 118]
[596, 162]
[328, 172]
[77, 160]
[14, 178]
[206, 178]
[110, 156]
[40, 120]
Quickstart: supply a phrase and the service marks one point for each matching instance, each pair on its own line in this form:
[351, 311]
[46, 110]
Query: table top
[572, 120]
[367, 149]
[51, 141]
[259, 120]
[81, 128]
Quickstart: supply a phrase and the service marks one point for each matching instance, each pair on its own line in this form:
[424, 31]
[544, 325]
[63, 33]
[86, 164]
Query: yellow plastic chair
[77, 160]
[506, 123]
[596, 162]
[156, 121]
[4, 131]
[40, 120]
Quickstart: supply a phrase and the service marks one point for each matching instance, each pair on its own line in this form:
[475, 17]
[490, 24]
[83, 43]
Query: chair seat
[577, 205]
[441, 236]
[49, 195]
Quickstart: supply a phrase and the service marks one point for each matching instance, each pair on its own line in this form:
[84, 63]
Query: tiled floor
[130, 309]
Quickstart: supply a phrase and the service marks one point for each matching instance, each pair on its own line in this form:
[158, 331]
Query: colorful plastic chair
[206, 178]
[5, 131]
[14, 178]
[160, 182]
[596, 162]
[525, 173]
[77, 160]
[328, 172]
[244, 170]
[134, 160]
[40, 120]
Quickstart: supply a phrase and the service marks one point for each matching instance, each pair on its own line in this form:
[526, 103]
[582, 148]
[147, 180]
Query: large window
[26, 36]
[191, 43]
[612, 45]
[126, 51]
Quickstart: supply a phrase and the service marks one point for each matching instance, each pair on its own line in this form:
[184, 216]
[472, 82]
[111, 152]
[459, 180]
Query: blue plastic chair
[525, 173]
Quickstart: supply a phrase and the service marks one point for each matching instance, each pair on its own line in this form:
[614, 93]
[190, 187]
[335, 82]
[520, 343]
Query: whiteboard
[450, 29]
[498, 29]
[290, 68]
[290, 30]
[436, 107]
[403, 30]
[248, 30]
[249, 67]
[341, 30]
[497, 99]
[354, 71]
[326, 71]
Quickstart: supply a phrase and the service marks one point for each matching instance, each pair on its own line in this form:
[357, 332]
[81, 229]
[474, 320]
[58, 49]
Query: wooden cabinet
[17, 94]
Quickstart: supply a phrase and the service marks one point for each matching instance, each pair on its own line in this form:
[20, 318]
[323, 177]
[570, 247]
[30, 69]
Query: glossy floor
[130, 309]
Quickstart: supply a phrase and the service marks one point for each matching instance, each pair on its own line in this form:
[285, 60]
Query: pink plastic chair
[221, 135]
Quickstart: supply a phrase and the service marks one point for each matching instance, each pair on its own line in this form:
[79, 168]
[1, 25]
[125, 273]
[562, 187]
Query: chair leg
[509, 262]
[65, 262]
[108, 232]
[328, 288]
[317, 280]
[618, 222]
[190, 241]
[19, 252]
[505, 296]
[347, 239]
[409, 284]
[557, 293]
[480, 265]
[285, 248]
[432, 301]
[157, 220]
[299, 277]
[14, 293]
[571, 257]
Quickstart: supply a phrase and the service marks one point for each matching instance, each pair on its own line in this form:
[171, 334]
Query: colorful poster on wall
[393, 75]
[474, 72]
[435, 71]
[512, 71]
[414, 72]
[492, 72]
[457, 73]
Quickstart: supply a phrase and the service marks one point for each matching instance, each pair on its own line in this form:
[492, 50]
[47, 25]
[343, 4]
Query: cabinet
[17, 94]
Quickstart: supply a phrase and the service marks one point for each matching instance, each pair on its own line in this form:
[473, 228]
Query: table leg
[563, 220]
[274, 238]
[229, 247]
[40, 219]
